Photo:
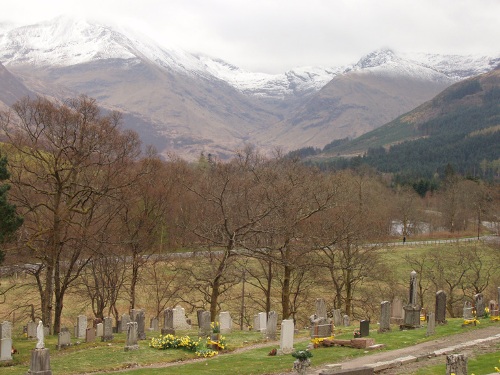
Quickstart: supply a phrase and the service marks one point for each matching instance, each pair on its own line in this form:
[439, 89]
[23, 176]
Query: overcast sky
[274, 36]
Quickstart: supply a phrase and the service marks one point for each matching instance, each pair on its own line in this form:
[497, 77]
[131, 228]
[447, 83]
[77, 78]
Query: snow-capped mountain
[191, 103]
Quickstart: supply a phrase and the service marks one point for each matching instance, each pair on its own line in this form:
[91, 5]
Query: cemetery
[322, 340]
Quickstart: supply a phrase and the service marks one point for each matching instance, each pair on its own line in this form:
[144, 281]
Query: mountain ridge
[198, 103]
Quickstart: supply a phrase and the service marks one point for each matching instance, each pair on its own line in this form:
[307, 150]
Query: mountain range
[185, 103]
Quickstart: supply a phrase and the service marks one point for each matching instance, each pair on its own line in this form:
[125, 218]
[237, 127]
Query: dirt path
[424, 350]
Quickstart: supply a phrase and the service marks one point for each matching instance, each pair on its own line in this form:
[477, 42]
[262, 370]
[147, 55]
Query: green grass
[102, 357]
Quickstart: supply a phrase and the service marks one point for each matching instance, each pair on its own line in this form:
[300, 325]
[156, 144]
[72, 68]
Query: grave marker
[385, 316]
[364, 328]
[226, 324]
[286, 336]
[180, 319]
[272, 322]
[6, 341]
[168, 322]
[440, 307]
[131, 342]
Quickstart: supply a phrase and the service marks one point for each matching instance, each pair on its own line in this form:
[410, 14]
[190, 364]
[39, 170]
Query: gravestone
[180, 319]
[286, 336]
[260, 322]
[347, 321]
[40, 362]
[441, 307]
[153, 324]
[63, 340]
[168, 322]
[99, 329]
[31, 330]
[364, 328]
[480, 306]
[204, 323]
[81, 326]
[272, 322]
[493, 306]
[397, 311]
[107, 326]
[6, 341]
[321, 327]
[467, 312]
[139, 316]
[431, 324]
[456, 364]
[125, 319]
[412, 309]
[226, 324]
[131, 342]
[337, 317]
[321, 308]
[385, 316]
[90, 334]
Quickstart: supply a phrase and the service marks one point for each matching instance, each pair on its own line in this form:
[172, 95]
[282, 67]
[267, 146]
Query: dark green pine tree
[9, 220]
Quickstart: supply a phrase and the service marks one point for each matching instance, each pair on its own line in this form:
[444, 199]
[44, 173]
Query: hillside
[460, 126]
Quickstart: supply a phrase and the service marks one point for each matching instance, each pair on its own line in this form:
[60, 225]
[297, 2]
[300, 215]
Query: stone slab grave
[272, 323]
[286, 336]
[99, 330]
[397, 312]
[431, 324]
[81, 326]
[440, 310]
[63, 340]
[225, 321]
[260, 322]
[337, 317]
[204, 328]
[480, 305]
[412, 309]
[139, 316]
[385, 317]
[6, 341]
[168, 322]
[179, 319]
[40, 362]
[31, 330]
[467, 311]
[154, 324]
[131, 342]
[107, 329]
[456, 364]
[354, 371]
[90, 334]
[125, 319]
[364, 328]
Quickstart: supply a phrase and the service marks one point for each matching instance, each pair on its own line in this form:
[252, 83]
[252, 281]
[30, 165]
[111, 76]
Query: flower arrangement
[219, 344]
[318, 341]
[211, 348]
[215, 327]
[471, 321]
[302, 355]
[357, 333]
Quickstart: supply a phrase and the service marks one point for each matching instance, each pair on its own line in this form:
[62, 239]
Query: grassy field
[99, 357]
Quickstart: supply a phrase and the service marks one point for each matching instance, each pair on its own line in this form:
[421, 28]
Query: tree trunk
[285, 292]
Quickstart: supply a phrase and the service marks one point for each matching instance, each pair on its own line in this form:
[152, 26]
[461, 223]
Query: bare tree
[66, 159]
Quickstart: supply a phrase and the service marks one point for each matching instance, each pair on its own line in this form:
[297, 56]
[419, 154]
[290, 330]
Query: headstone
[440, 307]
[131, 343]
[99, 329]
[31, 330]
[347, 321]
[180, 319]
[107, 329]
[168, 322]
[40, 336]
[467, 314]
[260, 322]
[364, 328]
[90, 334]
[321, 308]
[456, 364]
[272, 322]
[412, 316]
[139, 316]
[385, 316]
[63, 339]
[397, 312]
[6, 341]
[153, 324]
[431, 324]
[321, 327]
[40, 362]
[337, 318]
[413, 288]
[480, 306]
[493, 306]
[81, 326]
[204, 329]
[286, 336]
[125, 319]
[226, 324]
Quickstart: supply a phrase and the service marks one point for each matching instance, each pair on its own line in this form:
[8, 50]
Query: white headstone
[99, 329]
[40, 336]
[81, 326]
[226, 324]
[286, 337]
[262, 316]
[5, 341]
[180, 318]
